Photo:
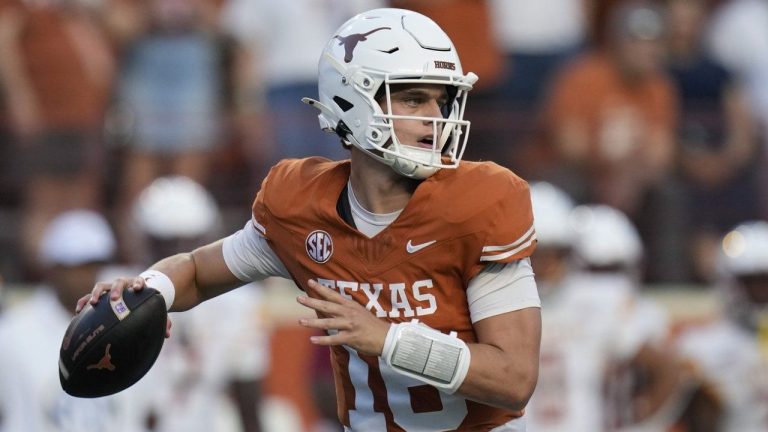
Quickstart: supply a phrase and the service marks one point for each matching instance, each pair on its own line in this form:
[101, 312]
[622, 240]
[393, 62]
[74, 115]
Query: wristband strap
[426, 354]
[161, 282]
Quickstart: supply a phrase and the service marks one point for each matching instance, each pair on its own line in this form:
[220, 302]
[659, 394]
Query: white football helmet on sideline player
[551, 212]
[743, 260]
[606, 239]
[374, 50]
[176, 207]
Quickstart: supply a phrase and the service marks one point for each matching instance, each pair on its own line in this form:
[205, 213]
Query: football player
[209, 362]
[417, 265]
[732, 349]
[75, 246]
[602, 368]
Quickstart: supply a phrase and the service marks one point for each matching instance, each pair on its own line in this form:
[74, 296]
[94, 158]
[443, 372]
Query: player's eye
[413, 101]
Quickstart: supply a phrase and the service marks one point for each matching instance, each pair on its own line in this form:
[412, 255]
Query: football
[111, 345]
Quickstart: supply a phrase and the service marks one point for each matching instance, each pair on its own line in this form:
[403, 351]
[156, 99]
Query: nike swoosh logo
[412, 248]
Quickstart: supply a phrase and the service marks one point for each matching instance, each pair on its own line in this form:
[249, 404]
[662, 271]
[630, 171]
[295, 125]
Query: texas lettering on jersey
[417, 268]
[397, 295]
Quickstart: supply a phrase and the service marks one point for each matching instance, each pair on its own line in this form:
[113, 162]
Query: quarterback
[416, 265]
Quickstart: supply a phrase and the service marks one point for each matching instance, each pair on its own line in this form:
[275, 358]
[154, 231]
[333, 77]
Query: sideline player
[398, 233]
[210, 362]
[74, 248]
[598, 329]
[731, 349]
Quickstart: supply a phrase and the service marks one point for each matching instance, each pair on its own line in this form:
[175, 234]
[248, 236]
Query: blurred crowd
[135, 129]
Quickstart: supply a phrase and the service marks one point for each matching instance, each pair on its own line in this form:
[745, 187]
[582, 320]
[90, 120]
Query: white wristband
[161, 282]
[428, 355]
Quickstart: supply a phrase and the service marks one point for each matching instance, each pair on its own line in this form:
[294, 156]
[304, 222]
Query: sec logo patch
[319, 246]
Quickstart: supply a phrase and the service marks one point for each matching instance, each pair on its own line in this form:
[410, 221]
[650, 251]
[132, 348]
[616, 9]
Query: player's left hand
[356, 327]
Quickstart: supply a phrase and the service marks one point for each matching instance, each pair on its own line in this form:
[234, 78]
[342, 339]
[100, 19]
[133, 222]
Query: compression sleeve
[501, 288]
[249, 256]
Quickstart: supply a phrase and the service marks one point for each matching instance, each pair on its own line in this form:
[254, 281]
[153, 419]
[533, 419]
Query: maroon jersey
[456, 222]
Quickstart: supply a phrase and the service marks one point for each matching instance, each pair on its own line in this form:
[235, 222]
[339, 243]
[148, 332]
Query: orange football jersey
[456, 222]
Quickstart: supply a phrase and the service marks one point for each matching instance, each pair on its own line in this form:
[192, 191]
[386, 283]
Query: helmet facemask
[449, 133]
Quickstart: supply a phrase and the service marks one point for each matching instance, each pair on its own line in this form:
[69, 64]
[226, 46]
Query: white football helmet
[77, 237]
[551, 215]
[745, 249]
[373, 51]
[606, 237]
[176, 207]
[743, 261]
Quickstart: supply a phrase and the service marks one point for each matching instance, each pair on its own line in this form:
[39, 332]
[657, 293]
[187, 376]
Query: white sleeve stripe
[508, 254]
[259, 226]
[511, 245]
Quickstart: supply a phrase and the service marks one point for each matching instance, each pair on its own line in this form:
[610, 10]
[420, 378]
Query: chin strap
[412, 169]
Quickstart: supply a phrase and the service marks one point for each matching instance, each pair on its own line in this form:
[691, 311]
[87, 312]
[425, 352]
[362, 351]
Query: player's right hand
[115, 289]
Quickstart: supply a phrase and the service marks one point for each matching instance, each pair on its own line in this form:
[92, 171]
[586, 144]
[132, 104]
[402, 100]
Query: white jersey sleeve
[249, 256]
[501, 288]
